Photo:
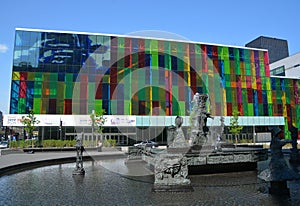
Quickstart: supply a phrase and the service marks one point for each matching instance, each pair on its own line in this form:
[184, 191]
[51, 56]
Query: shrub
[109, 143]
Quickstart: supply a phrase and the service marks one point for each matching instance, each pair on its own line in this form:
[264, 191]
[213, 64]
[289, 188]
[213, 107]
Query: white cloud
[3, 48]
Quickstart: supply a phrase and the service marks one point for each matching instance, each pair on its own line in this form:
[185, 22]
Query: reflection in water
[111, 182]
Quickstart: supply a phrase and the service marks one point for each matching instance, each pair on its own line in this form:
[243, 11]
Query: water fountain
[172, 166]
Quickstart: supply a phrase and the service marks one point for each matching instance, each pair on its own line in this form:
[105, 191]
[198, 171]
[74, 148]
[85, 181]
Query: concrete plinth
[172, 188]
[279, 188]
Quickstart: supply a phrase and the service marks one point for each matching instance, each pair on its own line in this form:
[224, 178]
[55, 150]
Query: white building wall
[291, 65]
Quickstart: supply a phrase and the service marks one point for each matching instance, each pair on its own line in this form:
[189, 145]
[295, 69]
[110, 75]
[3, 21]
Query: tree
[234, 127]
[97, 120]
[29, 123]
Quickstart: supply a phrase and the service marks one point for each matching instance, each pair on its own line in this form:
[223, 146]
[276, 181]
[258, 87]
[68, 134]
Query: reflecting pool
[112, 182]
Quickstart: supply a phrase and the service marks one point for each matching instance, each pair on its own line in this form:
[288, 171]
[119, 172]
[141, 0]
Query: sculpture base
[295, 158]
[279, 188]
[172, 188]
[79, 171]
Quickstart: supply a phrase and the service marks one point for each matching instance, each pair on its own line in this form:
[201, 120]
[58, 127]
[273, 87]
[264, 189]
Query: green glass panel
[98, 105]
[198, 62]
[236, 54]
[180, 62]
[127, 107]
[69, 91]
[246, 54]
[237, 67]
[250, 109]
[179, 47]
[199, 81]
[105, 78]
[227, 66]
[37, 105]
[121, 43]
[260, 110]
[59, 106]
[120, 76]
[135, 59]
[175, 108]
[141, 94]
[154, 61]
[270, 109]
[181, 110]
[248, 68]
[228, 95]
[153, 46]
[298, 115]
[162, 95]
[155, 93]
[288, 94]
[147, 93]
[60, 90]
[217, 90]
[155, 77]
[198, 49]
[53, 90]
[226, 53]
[37, 89]
[30, 76]
[38, 76]
[167, 59]
[175, 91]
[69, 77]
[245, 109]
[46, 77]
[90, 107]
[147, 46]
[220, 52]
[91, 91]
[205, 79]
[53, 77]
[262, 69]
[113, 105]
[120, 61]
[22, 106]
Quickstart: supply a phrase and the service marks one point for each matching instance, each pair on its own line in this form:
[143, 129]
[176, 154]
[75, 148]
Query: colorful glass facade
[75, 73]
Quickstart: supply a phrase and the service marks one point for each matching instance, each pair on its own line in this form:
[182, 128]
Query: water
[111, 182]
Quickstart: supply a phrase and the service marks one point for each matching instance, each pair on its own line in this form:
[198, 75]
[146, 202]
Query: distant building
[1, 119]
[289, 67]
[277, 48]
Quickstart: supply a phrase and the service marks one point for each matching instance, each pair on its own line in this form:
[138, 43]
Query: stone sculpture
[278, 172]
[294, 156]
[79, 170]
[199, 118]
[178, 139]
[171, 171]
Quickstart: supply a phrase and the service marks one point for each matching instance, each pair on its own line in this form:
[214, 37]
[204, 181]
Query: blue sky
[229, 22]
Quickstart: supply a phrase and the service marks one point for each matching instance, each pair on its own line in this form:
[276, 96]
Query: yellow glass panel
[16, 76]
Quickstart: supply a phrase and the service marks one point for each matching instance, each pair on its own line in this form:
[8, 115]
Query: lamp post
[60, 129]
[93, 123]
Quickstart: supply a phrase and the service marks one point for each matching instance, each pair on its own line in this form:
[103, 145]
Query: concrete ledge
[13, 163]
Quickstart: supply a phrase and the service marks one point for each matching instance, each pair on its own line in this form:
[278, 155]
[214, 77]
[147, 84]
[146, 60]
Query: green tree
[29, 123]
[97, 121]
[234, 127]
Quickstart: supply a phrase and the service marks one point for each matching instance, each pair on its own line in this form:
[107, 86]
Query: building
[289, 67]
[142, 84]
[277, 48]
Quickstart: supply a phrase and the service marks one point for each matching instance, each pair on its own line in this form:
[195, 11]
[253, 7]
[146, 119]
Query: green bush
[58, 143]
[109, 143]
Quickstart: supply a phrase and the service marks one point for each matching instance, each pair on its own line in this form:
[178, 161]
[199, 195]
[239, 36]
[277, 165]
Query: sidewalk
[22, 160]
